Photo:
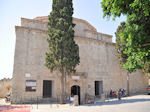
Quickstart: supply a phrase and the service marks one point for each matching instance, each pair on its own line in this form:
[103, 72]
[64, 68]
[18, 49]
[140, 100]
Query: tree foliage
[63, 51]
[136, 34]
[63, 54]
[120, 44]
[147, 69]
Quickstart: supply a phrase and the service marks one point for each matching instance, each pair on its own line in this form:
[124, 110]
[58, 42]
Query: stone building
[99, 70]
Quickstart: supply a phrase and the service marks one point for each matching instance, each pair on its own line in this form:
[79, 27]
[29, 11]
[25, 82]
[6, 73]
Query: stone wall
[5, 87]
[30, 23]
[98, 62]
[82, 28]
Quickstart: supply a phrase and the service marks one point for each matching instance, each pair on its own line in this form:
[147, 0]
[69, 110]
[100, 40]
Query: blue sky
[12, 10]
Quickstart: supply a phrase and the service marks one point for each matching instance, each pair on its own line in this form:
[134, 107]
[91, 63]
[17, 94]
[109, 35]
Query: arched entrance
[75, 90]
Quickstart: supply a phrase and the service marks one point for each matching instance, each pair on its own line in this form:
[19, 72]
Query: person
[71, 99]
[123, 92]
[119, 94]
[111, 92]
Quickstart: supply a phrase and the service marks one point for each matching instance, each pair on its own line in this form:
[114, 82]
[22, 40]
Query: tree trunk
[65, 86]
[128, 89]
[62, 88]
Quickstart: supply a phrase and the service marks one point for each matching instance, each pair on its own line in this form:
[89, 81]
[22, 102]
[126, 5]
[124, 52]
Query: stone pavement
[137, 103]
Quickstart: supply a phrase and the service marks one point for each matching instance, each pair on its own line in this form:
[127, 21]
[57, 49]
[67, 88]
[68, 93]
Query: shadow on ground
[123, 101]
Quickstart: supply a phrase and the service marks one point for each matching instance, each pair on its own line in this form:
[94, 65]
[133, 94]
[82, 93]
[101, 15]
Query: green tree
[63, 54]
[136, 33]
[147, 69]
[121, 46]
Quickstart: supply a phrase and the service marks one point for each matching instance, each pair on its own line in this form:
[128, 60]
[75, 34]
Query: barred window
[30, 85]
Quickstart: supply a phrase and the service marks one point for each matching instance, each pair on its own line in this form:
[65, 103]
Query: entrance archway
[75, 90]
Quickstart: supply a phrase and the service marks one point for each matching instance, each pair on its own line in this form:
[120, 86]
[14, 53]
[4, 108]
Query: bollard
[50, 103]
[20, 100]
[103, 98]
[37, 102]
[76, 100]
[31, 102]
[57, 101]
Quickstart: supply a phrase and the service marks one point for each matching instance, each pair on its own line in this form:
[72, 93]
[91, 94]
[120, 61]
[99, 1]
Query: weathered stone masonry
[98, 62]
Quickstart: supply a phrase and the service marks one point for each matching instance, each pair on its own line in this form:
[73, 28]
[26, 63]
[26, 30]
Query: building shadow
[117, 102]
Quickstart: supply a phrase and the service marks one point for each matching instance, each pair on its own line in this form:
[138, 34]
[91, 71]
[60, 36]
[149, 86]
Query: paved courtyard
[137, 103]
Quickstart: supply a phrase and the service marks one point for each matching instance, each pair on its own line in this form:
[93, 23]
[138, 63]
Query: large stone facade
[98, 62]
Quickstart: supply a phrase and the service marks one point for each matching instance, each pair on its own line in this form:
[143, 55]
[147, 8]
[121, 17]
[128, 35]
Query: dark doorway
[98, 88]
[75, 90]
[47, 88]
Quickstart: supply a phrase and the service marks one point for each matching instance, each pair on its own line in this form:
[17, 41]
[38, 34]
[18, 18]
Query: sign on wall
[76, 77]
[27, 75]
